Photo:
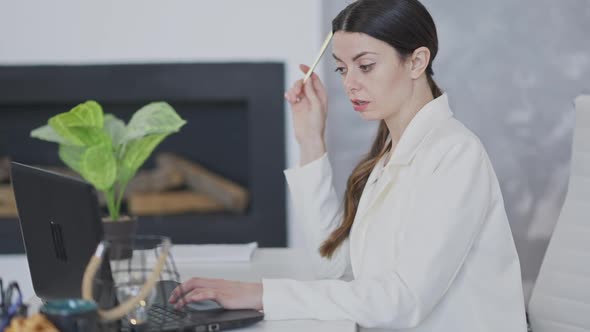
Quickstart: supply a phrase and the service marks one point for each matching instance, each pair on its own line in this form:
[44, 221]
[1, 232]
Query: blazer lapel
[428, 118]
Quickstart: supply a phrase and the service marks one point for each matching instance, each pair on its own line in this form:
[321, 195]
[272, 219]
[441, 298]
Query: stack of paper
[213, 253]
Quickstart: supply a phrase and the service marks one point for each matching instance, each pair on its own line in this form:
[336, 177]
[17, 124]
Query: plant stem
[120, 198]
[110, 197]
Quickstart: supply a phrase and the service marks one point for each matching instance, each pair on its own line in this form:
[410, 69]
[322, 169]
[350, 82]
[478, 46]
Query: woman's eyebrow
[355, 57]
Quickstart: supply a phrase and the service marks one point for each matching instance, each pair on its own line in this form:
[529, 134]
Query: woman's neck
[397, 123]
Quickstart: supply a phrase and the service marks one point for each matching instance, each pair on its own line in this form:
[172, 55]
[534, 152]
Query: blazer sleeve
[433, 244]
[318, 208]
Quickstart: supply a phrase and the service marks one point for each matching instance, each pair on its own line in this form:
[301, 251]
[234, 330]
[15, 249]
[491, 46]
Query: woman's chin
[369, 116]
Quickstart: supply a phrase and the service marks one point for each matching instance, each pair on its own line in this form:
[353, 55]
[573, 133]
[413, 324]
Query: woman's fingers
[312, 89]
[197, 294]
[191, 284]
[310, 93]
[229, 294]
[290, 96]
[317, 84]
[320, 89]
[298, 89]
[304, 69]
[293, 95]
[178, 291]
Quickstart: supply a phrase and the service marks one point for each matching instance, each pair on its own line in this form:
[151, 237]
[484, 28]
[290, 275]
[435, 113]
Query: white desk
[268, 263]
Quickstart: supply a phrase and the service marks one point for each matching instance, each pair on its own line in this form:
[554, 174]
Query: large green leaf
[136, 153]
[99, 166]
[47, 133]
[72, 156]
[85, 115]
[154, 118]
[115, 128]
[90, 136]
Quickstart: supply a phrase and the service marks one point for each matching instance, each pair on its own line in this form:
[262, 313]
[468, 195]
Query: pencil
[317, 59]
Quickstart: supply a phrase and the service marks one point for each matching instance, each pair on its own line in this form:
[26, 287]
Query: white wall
[131, 31]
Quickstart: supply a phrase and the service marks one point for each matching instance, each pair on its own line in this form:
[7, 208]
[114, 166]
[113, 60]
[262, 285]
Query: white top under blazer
[430, 248]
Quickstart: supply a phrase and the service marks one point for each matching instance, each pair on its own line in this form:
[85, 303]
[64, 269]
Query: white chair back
[560, 301]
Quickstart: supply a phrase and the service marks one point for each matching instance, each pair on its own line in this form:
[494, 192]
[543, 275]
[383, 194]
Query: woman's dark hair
[405, 25]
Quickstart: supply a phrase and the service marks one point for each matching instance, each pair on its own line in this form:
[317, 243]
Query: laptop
[60, 222]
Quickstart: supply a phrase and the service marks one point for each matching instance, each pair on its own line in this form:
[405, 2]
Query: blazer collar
[428, 118]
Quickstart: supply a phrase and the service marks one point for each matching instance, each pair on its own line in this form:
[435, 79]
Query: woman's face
[374, 76]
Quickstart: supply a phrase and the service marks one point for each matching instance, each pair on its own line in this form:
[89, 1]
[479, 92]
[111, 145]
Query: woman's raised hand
[309, 108]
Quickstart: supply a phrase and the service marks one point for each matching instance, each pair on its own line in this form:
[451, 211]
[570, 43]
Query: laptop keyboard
[160, 315]
[166, 318]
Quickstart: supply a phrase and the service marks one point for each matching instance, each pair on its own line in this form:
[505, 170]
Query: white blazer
[430, 249]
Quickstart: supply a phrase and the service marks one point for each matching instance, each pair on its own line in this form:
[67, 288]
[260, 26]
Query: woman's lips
[359, 105]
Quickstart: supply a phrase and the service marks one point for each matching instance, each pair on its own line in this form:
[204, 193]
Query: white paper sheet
[213, 253]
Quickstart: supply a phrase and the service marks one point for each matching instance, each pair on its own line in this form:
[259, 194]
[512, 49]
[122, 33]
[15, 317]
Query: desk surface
[267, 263]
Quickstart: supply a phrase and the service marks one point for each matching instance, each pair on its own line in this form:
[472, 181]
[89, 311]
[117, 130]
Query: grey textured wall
[512, 70]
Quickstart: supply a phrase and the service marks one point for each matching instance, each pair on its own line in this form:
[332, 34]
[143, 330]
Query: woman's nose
[350, 82]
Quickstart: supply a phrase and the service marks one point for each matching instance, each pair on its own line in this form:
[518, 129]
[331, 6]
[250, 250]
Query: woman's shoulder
[450, 137]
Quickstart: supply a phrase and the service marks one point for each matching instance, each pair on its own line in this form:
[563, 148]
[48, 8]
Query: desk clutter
[126, 286]
[119, 288]
[119, 292]
[37, 322]
[11, 303]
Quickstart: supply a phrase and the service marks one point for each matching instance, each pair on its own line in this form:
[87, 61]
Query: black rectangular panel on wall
[235, 128]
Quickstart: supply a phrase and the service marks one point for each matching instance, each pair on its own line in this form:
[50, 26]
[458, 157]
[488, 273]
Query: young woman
[422, 225]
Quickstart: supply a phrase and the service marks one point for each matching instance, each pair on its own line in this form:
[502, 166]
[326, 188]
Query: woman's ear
[419, 61]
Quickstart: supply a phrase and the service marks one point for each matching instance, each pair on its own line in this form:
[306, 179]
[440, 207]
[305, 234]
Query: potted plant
[107, 153]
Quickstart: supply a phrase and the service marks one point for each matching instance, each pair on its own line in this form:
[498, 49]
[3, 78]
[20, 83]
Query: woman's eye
[340, 70]
[366, 68]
